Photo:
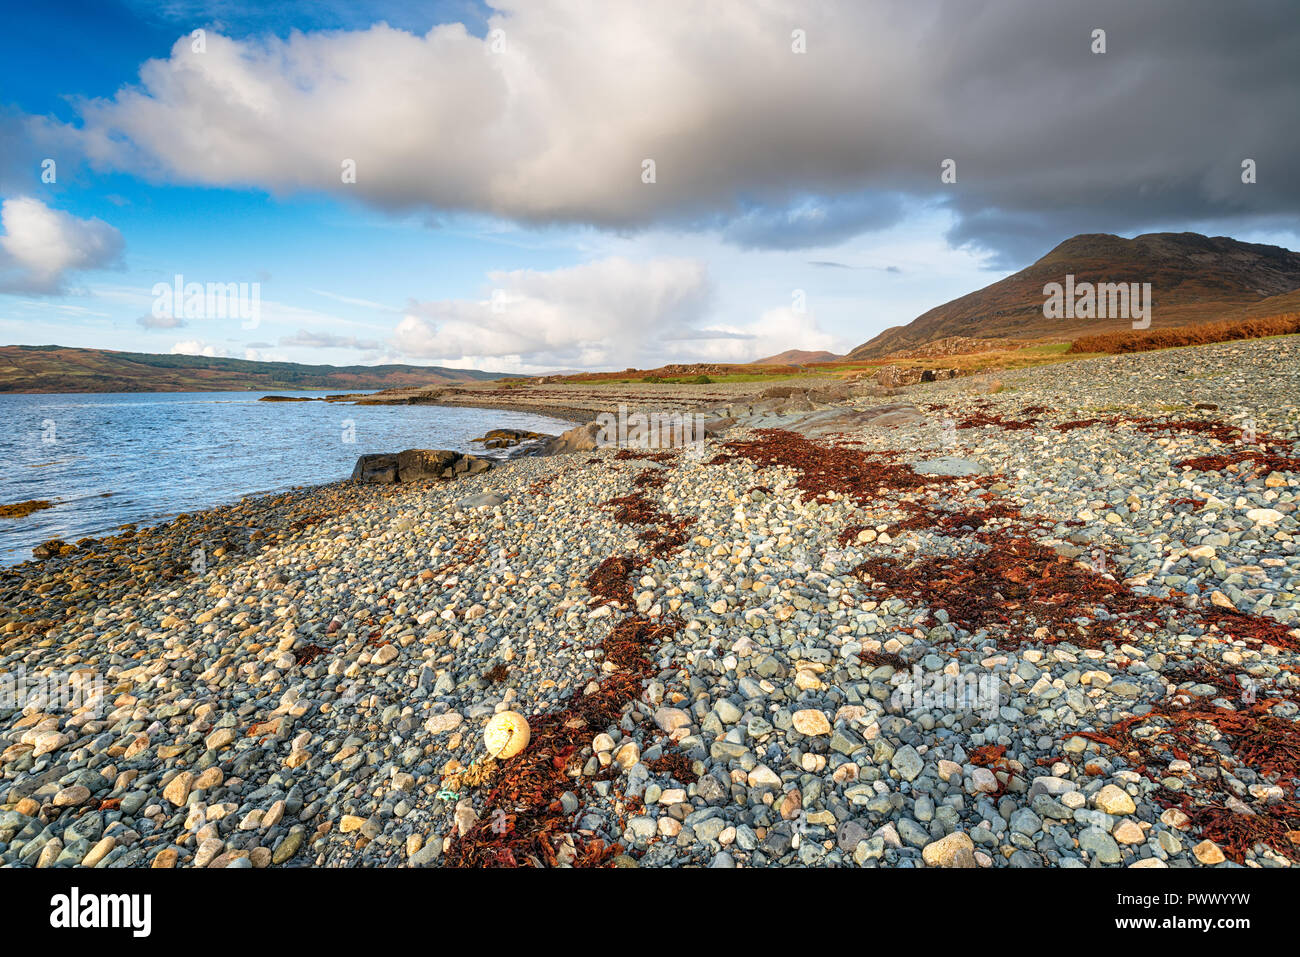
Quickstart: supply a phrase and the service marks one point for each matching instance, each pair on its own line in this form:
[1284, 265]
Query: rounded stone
[1114, 800]
[811, 722]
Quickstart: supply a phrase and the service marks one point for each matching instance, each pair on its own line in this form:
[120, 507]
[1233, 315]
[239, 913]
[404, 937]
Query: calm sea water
[106, 460]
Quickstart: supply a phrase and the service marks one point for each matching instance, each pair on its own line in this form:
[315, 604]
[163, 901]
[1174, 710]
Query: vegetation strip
[1284, 324]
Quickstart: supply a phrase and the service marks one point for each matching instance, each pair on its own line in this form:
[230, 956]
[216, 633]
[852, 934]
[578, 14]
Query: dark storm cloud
[818, 221]
[1052, 139]
[1048, 137]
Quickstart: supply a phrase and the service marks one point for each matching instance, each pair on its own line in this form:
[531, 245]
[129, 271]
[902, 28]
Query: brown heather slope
[1193, 278]
[60, 369]
[1272, 306]
[1287, 324]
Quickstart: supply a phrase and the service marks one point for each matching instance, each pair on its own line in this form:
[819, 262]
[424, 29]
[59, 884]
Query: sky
[556, 184]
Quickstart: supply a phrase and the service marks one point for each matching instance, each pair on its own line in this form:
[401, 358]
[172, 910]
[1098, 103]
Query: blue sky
[501, 217]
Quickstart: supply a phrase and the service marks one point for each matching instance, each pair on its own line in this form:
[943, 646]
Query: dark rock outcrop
[508, 438]
[897, 376]
[417, 465]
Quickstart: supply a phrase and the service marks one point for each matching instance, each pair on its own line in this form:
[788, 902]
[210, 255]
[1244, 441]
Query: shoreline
[737, 633]
[499, 457]
[565, 413]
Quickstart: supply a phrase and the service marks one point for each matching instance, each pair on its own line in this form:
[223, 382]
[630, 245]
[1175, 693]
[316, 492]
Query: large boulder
[938, 375]
[381, 469]
[583, 438]
[897, 377]
[414, 465]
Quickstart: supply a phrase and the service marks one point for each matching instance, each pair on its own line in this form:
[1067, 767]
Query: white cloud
[717, 99]
[597, 313]
[197, 347]
[150, 321]
[776, 330]
[40, 246]
[611, 313]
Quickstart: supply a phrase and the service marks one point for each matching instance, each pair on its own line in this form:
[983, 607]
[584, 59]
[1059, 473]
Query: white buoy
[506, 734]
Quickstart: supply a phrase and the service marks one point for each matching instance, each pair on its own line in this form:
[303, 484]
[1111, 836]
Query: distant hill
[1193, 278]
[61, 369]
[796, 357]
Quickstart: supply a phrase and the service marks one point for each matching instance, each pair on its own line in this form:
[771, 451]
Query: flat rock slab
[948, 465]
[823, 422]
[897, 417]
[485, 500]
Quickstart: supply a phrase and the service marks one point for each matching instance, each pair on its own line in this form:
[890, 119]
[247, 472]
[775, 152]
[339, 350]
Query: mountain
[61, 369]
[796, 357]
[1193, 278]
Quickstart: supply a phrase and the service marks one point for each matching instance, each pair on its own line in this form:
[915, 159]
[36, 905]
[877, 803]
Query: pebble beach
[1001, 623]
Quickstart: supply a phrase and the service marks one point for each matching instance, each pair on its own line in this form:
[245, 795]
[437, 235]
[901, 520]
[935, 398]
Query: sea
[107, 460]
